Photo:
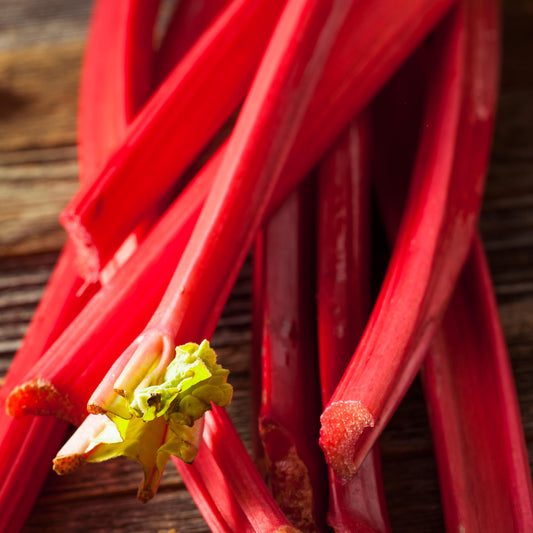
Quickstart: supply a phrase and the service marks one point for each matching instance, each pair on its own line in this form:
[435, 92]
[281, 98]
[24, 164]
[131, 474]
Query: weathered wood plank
[38, 96]
[38, 101]
[33, 22]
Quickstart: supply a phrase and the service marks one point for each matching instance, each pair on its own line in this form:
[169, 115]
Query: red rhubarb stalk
[170, 131]
[404, 288]
[110, 97]
[343, 306]
[468, 384]
[433, 242]
[484, 475]
[289, 414]
[27, 446]
[256, 362]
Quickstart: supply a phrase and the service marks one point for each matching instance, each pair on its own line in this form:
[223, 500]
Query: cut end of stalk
[95, 409]
[145, 494]
[67, 464]
[343, 422]
[87, 255]
[40, 397]
[289, 477]
[287, 529]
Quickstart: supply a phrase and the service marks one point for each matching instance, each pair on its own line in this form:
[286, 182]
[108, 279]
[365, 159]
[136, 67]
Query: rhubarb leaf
[191, 382]
[161, 420]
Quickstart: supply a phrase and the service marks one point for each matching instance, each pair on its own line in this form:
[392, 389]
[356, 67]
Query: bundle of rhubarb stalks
[311, 136]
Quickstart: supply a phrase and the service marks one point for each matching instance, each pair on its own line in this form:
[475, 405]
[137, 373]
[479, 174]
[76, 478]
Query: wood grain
[41, 45]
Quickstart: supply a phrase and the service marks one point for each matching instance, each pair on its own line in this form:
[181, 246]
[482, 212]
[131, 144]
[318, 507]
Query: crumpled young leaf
[161, 420]
[192, 381]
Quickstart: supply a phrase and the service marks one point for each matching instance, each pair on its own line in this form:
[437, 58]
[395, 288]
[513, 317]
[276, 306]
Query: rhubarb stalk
[433, 241]
[290, 386]
[226, 485]
[27, 446]
[110, 96]
[484, 475]
[343, 306]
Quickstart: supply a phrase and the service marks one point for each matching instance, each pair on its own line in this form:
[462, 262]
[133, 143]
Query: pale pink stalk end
[100, 439]
[148, 363]
[142, 364]
[76, 451]
[343, 422]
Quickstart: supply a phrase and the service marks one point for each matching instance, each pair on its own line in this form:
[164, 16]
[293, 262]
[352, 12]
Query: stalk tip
[145, 494]
[289, 476]
[67, 464]
[343, 422]
[40, 397]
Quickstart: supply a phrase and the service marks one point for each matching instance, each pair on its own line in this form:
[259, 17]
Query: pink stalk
[343, 306]
[170, 131]
[484, 474]
[290, 409]
[432, 245]
[110, 97]
[28, 446]
[404, 290]
[256, 363]
[189, 19]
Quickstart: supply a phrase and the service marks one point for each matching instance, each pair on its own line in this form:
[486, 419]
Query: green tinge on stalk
[150, 423]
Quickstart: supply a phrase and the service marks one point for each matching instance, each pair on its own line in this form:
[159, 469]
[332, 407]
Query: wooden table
[41, 44]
